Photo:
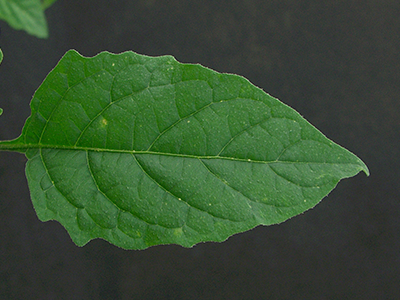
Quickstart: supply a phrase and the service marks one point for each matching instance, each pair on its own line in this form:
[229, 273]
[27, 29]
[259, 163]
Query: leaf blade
[25, 14]
[144, 150]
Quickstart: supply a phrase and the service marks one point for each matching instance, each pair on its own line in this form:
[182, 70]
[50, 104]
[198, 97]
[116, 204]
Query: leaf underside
[142, 151]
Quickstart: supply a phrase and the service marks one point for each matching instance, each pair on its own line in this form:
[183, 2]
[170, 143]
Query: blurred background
[335, 62]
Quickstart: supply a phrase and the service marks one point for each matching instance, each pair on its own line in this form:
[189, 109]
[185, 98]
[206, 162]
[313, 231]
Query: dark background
[336, 62]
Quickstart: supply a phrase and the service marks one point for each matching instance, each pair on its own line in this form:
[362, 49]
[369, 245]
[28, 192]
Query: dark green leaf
[27, 15]
[144, 150]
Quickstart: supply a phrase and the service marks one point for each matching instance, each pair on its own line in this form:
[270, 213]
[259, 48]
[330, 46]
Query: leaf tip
[365, 169]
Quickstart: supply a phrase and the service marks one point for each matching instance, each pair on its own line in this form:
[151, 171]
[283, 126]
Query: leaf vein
[105, 195]
[224, 181]
[61, 99]
[241, 132]
[169, 192]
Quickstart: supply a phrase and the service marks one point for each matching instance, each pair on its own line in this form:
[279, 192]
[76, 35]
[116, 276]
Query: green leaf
[142, 151]
[27, 15]
[47, 3]
[1, 56]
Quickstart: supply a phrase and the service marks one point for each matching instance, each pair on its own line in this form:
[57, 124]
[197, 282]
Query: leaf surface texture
[142, 151]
